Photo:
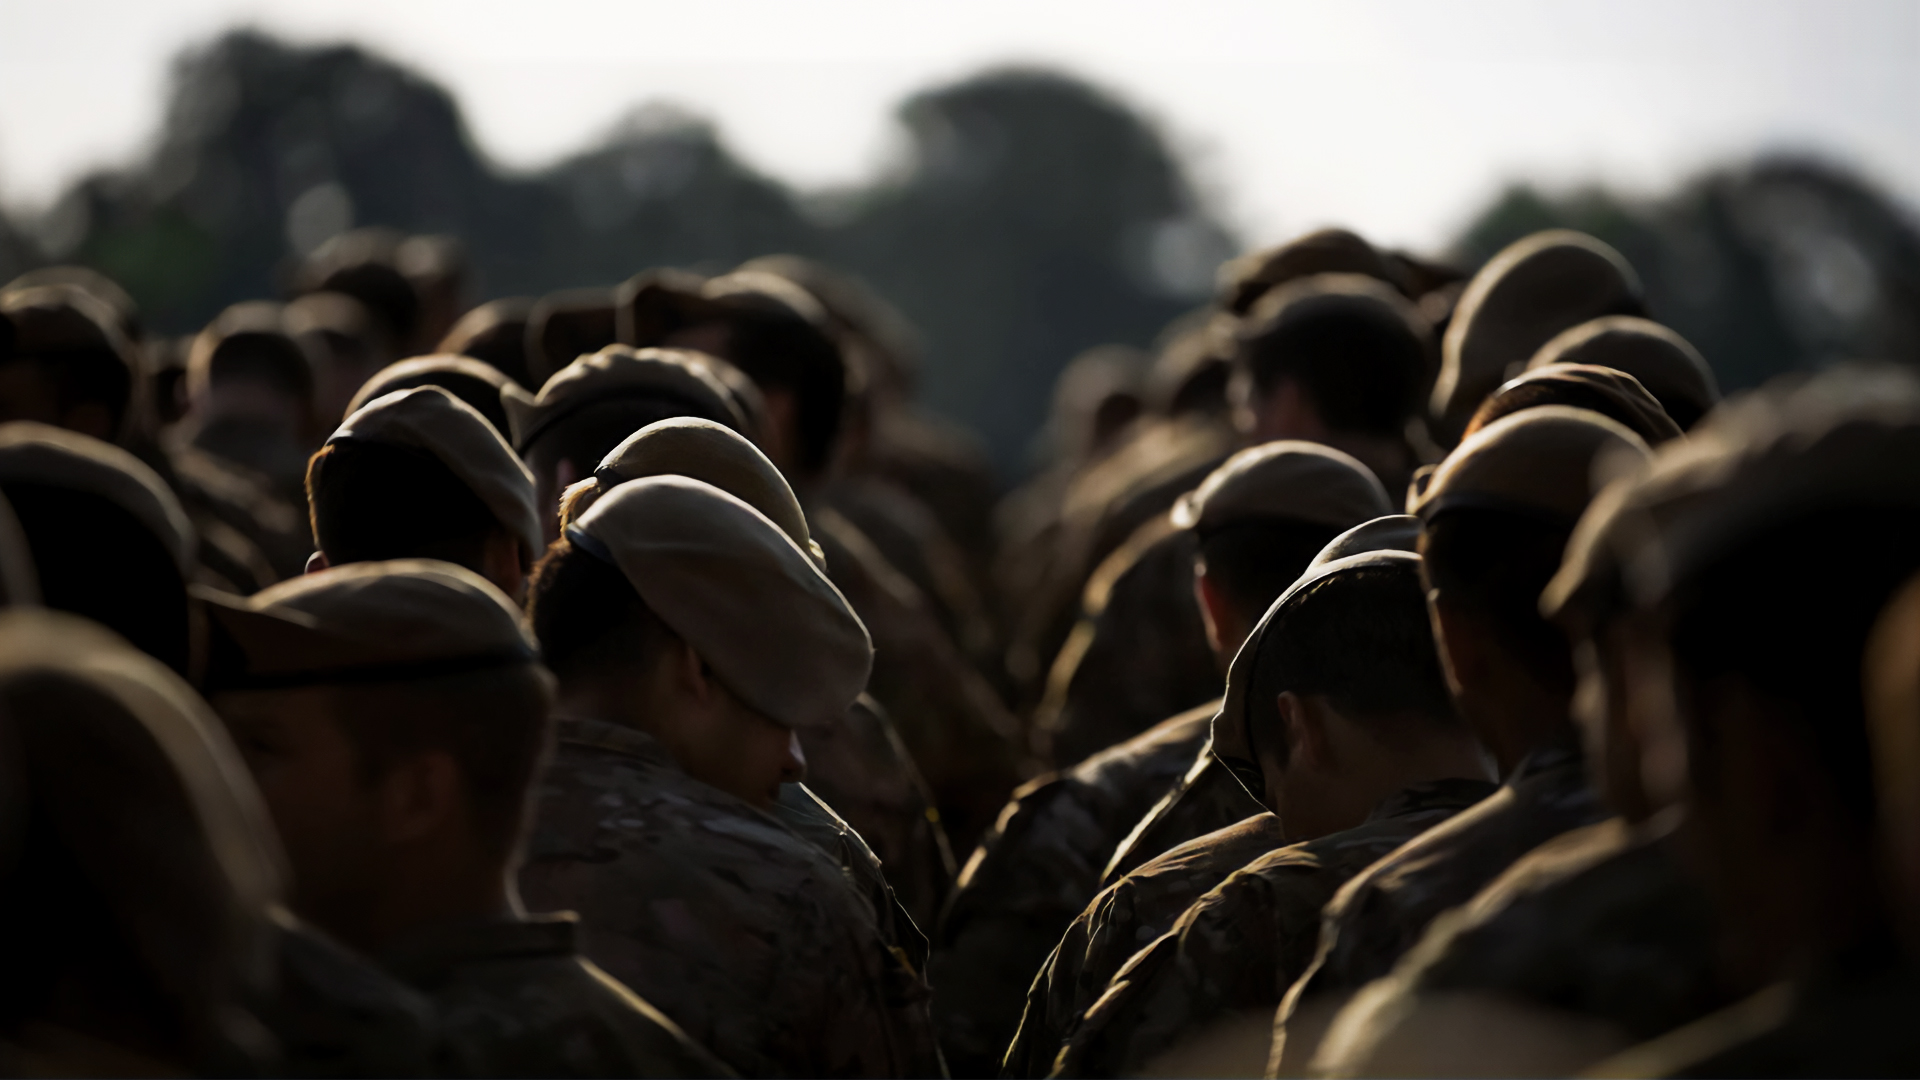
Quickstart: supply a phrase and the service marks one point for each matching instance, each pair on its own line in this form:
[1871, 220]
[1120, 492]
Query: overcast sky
[1396, 118]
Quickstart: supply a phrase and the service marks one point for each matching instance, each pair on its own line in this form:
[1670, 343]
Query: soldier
[344, 342]
[251, 396]
[395, 716]
[477, 383]
[1249, 530]
[692, 640]
[1532, 290]
[1662, 361]
[419, 474]
[568, 323]
[588, 407]
[1496, 520]
[363, 264]
[1338, 720]
[495, 333]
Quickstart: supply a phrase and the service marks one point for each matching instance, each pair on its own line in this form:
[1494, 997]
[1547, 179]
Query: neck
[1514, 713]
[611, 697]
[1418, 758]
[427, 889]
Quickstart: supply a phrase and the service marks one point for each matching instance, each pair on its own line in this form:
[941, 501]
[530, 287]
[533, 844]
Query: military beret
[114, 300]
[620, 371]
[1545, 462]
[1524, 296]
[430, 419]
[711, 453]
[1394, 532]
[1613, 394]
[1232, 734]
[1349, 299]
[737, 590]
[1245, 279]
[495, 333]
[338, 314]
[258, 326]
[1670, 368]
[369, 622]
[566, 325]
[33, 453]
[19, 583]
[52, 320]
[1303, 481]
[475, 382]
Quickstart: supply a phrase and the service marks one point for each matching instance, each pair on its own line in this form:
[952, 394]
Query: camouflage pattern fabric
[1204, 800]
[814, 821]
[333, 1013]
[1380, 915]
[753, 940]
[515, 998]
[1242, 944]
[1124, 918]
[1034, 872]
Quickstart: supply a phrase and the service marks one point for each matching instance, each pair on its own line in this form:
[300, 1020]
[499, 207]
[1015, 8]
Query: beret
[495, 333]
[736, 589]
[1394, 532]
[33, 453]
[1607, 391]
[367, 622]
[711, 453]
[1532, 290]
[1670, 368]
[49, 320]
[621, 371]
[1349, 298]
[1545, 462]
[1288, 478]
[430, 419]
[475, 382]
[1245, 279]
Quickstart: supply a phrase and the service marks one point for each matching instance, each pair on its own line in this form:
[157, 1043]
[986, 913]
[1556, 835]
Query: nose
[793, 769]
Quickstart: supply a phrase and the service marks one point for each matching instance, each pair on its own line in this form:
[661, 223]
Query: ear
[317, 562]
[1305, 729]
[691, 673]
[421, 796]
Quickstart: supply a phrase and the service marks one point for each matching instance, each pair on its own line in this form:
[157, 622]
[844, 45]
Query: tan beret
[621, 371]
[393, 621]
[475, 382]
[1303, 481]
[1232, 739]
[430, 419]
[1611, 393]
[1328, 251]
[33, 453]
[1523, 297]
[711, 453]
[494, 333]
[1671, 369]
[1394, 532]
[737, 590]
[1545, 462]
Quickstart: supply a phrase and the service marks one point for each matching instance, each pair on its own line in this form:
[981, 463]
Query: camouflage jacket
[515, 998]
[1034, 872]
[333, 1013]
[1600, 922]
[760, 946]
[1124, 918]
[1206, 799]
[1378, 916]
[1242, 944]
[811, 819]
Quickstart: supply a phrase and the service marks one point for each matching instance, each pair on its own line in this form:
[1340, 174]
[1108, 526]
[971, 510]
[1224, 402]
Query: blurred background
[1021, 181]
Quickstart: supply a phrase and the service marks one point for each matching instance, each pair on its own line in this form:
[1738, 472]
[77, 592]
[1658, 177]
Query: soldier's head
[109, 541]
[1331, 356]
[1753, 696]
[246, 366]
[345, 344]
[418, 474]
[590, 406]
[477, 383]
[1497, 515]
[70, 365]
[1615, 395]
[769, 328]
[495, 333]
[364, 264]
[1662, 361]
[679, 610]
[394, 715]
[1259, 519]
[1336, 701]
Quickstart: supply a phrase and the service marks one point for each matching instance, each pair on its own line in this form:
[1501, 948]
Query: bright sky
[1397, 117]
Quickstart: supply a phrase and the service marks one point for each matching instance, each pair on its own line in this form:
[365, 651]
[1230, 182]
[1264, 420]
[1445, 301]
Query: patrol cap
[33, 453]
[1611, 393]
[1545, 463]
[621, 371]
[1394, 532]
[370, 622]
[1232, 725]
[1666, 364]
[1245, 279]
[429, 419]
[495, 333]
[1524, 296]
[475, 382]
[736, 589]
[711, 453]
[1289, 478]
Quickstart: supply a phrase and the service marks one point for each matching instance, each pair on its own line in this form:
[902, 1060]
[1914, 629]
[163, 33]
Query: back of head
[1329, 251]
[1663, 362]
[495, 333]
[1192, 365]
[107, 537]
[249, 343]
[90, 369]
[1613, 394]
[475, 382]
[565, 325]
[362, 264]
[1360, 352]
[1524, 296]
[105, 290]
[1096, 395]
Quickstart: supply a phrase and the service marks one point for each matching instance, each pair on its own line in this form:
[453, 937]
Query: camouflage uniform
[1205, 800]
[1125, 917]
[1034, 872]
[515, 998]
[333, 1013]
[1241, 945]
[1381, 914]
[758, 945]
[811, 819]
